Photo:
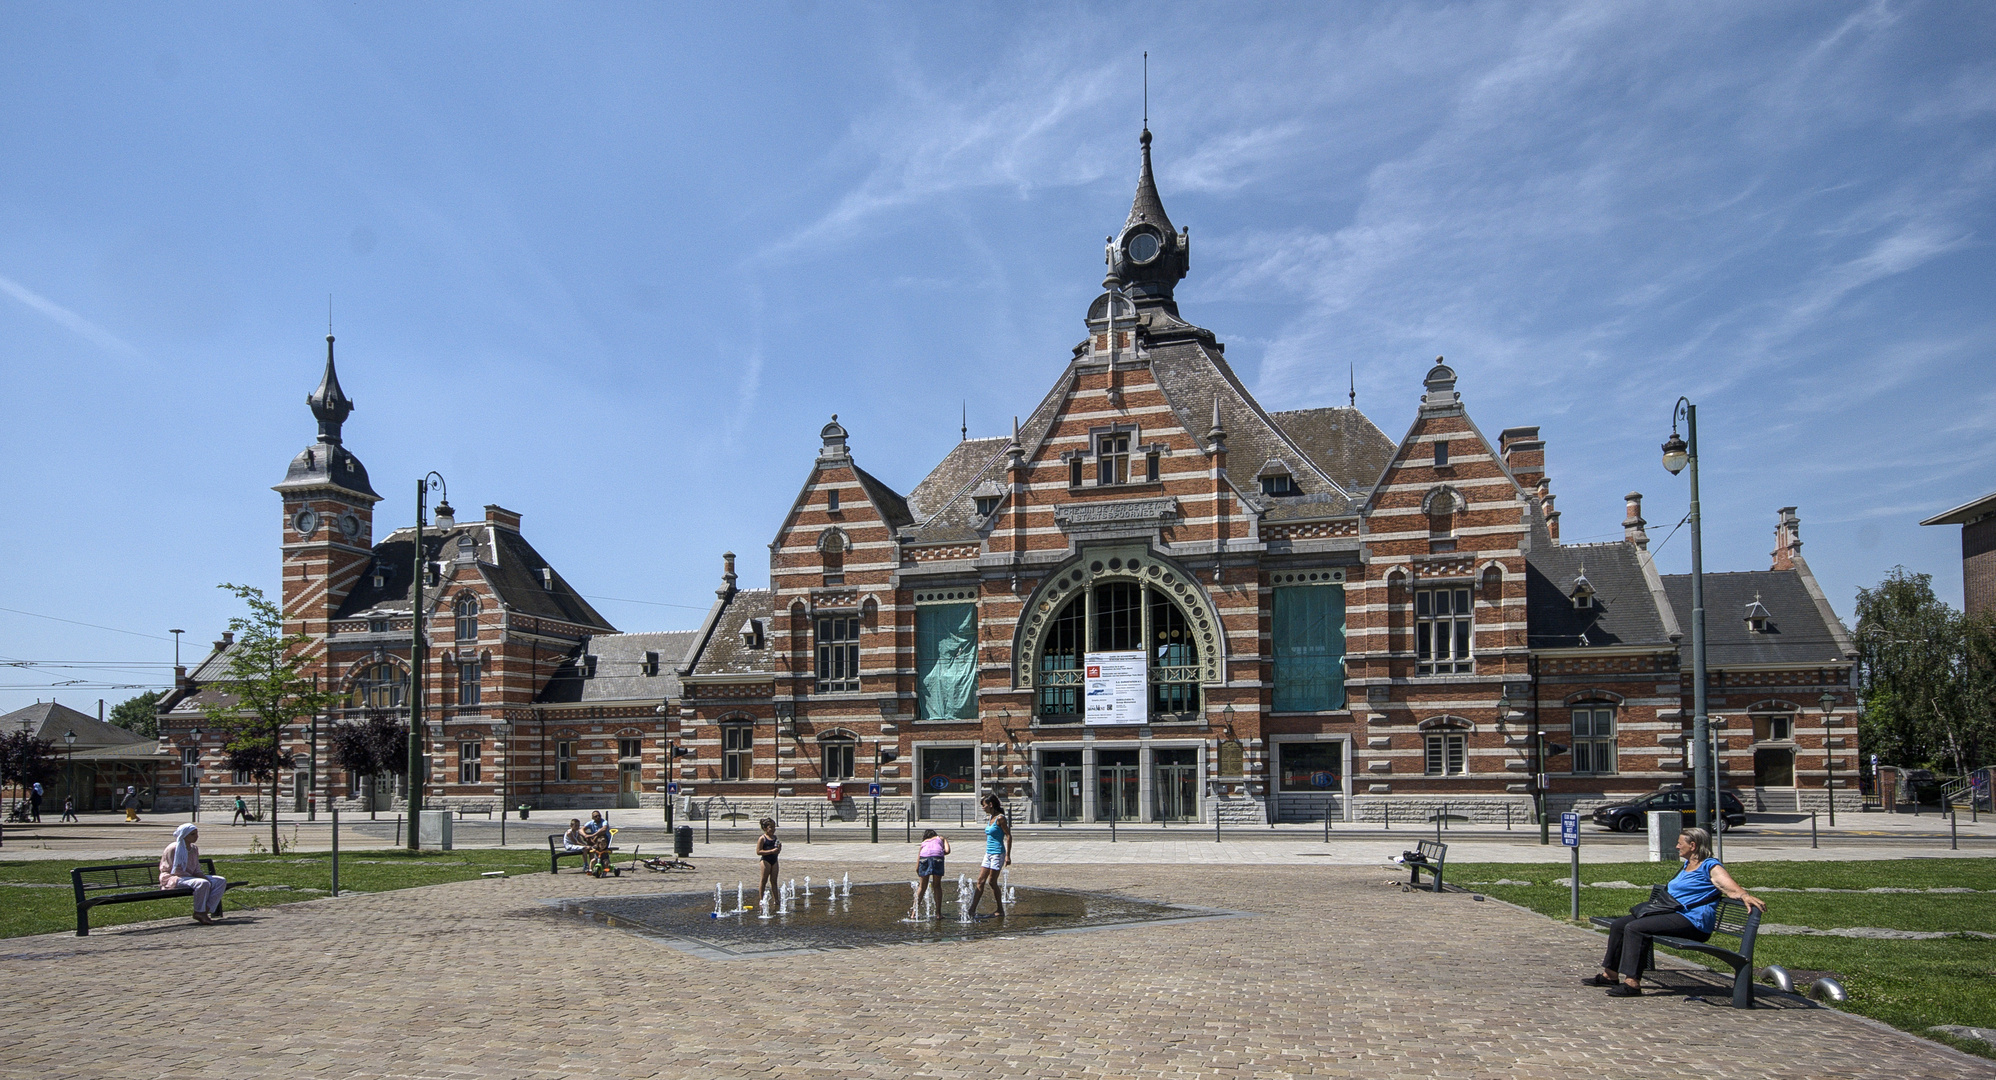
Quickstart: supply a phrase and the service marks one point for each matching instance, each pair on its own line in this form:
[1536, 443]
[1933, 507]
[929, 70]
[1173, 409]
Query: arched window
[379, 686]
[836, 750]
[1118, 616]
[466, 610]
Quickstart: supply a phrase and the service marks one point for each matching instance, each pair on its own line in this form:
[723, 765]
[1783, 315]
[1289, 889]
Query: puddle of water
[871, 915]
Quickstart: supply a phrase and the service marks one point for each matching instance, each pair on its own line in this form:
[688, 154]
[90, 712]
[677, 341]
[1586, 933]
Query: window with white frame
[837, 754]
[190, 765]
[737, 741]
[1594, 739]
[838, 653]
[469, 762]
[564, 759]
[1112, 458]
[1443, 623]
[1448, 754]
[466, 612]
[243, 777]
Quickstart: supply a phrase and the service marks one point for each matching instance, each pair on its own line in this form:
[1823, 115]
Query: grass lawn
[36, 897]
[1910, 984]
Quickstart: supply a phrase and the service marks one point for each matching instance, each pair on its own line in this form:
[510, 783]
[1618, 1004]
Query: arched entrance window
[836, 751]
[1118, 616]
[379, 686]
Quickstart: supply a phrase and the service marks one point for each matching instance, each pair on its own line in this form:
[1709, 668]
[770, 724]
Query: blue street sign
[1569, 829]
[672, 789]
[873, 789]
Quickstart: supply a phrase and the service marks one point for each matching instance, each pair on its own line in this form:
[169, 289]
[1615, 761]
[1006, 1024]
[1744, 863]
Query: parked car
[1634, 816]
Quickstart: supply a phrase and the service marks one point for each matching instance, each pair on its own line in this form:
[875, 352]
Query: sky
[613, 265]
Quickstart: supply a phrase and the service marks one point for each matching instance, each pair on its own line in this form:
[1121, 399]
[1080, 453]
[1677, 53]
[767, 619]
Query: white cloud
[67, 319]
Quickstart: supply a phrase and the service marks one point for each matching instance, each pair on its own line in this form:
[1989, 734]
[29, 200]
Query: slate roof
[1625, 611]
[505, 558]
[50, 721]
[1967, 512]
[724, 652]
[1342, 441]
[893, 507]
[966, 463]
[206, 685]
[1801, 628]
[620, 668]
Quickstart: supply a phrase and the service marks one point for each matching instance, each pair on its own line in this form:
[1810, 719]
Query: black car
[1633, 816]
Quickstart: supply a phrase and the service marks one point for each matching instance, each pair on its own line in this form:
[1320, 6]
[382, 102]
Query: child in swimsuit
[929, 871]
[767, 846]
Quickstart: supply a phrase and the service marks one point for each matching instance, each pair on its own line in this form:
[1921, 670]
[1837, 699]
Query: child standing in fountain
[766, 848]
[997, 853]
[929, 871]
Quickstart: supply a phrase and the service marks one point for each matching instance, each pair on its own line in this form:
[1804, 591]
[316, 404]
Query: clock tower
[328, 515]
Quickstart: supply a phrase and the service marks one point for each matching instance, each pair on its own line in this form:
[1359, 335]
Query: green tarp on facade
[1309, 645]
[946, 661]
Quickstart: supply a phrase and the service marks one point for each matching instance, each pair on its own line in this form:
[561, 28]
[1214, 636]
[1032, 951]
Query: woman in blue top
[997, 853]
[1697, 888]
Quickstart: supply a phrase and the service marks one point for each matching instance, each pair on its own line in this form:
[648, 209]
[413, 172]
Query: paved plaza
[1336, 973]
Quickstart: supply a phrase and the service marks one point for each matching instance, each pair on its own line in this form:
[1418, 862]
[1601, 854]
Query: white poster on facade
[1117, 688]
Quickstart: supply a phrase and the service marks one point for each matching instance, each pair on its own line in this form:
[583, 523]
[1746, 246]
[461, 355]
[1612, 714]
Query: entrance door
[1177, 784]
[1774, 766]
[1116, 787]
[1060, 785]
[628, 779]
[301, 789]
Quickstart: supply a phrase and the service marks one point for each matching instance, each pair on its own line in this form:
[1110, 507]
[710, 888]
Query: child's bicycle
[661, 864]
[599, 859]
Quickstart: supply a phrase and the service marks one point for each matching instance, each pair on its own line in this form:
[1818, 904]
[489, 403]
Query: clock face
[1144, 247]
[350, 525]
[306, 522]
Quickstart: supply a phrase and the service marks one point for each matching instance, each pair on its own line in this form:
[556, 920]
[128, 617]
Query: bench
[128, 884]
[556, 852]
[1433, 854]
[474, 808]
[1735, 920]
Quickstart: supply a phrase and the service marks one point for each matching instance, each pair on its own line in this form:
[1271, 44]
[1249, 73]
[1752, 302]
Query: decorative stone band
[1122, 514]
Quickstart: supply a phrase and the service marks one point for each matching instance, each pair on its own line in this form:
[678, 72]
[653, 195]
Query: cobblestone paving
[1338, 975]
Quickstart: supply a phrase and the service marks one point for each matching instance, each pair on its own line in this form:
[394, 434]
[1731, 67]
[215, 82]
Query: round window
[1144, 247]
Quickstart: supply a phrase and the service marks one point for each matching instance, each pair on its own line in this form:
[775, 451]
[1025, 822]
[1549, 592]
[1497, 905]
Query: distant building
[1978, 551]
[1152, 600]
[98, 765]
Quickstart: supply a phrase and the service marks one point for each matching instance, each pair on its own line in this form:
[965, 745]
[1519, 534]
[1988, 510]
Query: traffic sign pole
[1569, 834]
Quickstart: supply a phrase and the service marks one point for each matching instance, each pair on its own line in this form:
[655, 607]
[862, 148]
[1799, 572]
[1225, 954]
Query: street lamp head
[1828, 701]
[69, 737]
[1675, 453]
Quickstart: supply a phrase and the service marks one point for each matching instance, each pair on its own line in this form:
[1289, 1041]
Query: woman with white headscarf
[180, 864]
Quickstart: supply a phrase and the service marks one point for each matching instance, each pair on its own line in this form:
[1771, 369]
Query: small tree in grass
[25, 760]
[376, 744]
[264, 678]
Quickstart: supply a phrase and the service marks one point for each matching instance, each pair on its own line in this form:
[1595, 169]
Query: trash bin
[682, 841]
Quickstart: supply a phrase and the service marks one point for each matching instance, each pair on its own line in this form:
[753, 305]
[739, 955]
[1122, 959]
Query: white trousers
[207, 892]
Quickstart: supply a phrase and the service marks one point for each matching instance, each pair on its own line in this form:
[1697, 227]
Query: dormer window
[986, 505]
[547, 578]
[753, 635]
[651, 664]
[1278, 484]
[1757, 616]
[380, 578]
[377, 626]
[1582, 592]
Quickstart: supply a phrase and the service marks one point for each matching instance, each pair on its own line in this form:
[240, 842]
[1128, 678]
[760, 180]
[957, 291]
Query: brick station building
[1285, 614]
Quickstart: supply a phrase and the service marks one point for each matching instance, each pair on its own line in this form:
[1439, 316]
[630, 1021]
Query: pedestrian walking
[242, 812]
[35, 801]
[68, 808]
[131, 802]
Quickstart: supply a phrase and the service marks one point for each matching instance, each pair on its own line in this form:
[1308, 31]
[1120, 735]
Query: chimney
[1632, 523]
[1787, 539]
[502, 518]
[727, 589]
[1552, 516]
[1524, 453]
[180, 675]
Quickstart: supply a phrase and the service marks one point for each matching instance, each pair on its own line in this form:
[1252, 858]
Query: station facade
[1153, 601]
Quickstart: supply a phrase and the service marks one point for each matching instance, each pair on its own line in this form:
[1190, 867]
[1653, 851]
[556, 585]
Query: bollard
[1386, 815]
[1112, 827]
[807, 826]
[908, 833]
[876, 824]
[1216, 823]
[1438, 823]
[1812, 828]
[398, 830]
[1953, 839]
[1507, 817]
[336, 849]
[1327, 823]
[708, 837]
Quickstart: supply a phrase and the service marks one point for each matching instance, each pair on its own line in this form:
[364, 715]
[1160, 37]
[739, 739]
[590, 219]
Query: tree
[377, 744]
[139, 715]
[25, 759]
[266, 693]
[1928, 677]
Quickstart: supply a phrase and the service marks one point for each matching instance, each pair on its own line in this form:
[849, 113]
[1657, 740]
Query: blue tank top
[994, 839]
[1693, 888]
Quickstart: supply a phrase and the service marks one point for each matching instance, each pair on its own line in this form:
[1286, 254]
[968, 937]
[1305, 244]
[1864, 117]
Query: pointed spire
[963, 429]
[1147, 207]
[1353, 376]
[1217, 434]
[330, 405]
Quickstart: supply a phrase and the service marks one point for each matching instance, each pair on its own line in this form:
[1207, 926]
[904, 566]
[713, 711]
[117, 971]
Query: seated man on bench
[1694, 893]
[180, 864]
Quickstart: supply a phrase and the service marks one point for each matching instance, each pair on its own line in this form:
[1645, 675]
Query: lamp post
[69, 739]
[195, 734]
[666, 763]
[419, 563]
[1677, 453]
[1829, 704]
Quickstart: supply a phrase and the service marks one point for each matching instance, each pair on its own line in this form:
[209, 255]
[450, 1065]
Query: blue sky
[613, 265]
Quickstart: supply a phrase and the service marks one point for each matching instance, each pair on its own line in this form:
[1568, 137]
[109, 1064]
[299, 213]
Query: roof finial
[1353, 375]
[964, 429]
[330, 405]
[1146, 89]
